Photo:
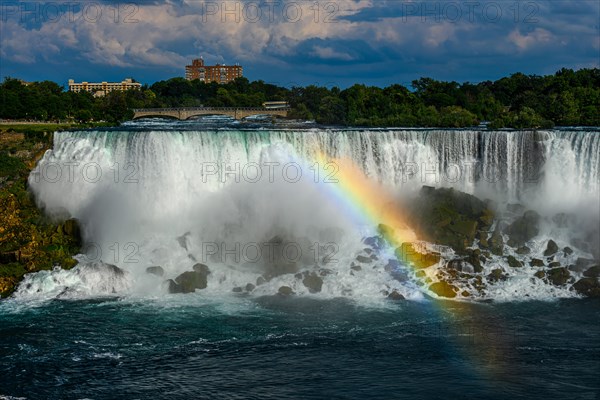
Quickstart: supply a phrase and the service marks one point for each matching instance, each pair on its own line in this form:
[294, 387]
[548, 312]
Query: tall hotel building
[219, 73]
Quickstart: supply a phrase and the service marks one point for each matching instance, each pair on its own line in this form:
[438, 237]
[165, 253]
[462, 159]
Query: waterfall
[157, 196]
[508, 164]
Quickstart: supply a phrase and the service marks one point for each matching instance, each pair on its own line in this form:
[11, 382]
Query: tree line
[566, 98]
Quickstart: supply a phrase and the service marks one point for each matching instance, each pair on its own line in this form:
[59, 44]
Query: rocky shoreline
[468, 250]
[490, 247]
[29, 241]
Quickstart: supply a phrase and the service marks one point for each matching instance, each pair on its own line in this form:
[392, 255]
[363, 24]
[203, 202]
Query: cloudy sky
[330, 43]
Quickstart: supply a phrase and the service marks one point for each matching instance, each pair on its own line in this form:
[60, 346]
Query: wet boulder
[312, 282]
[374, 242]
[536, 262]
[395, 296]
[449, 217]
[201, 268]
[105, 268]
[540, 274]
[285, 291]
[460, 265]
[551, 248]
[155, 270]
[419, 258]
[171, 286]
[277, 260]
[443, 289]
[191, 280]
[385, 231]
[589, 287]
[523, 250]
[260, 280]
[497, 275]
[363, 259]
[592, 272]
[524, 228]
[182, 240]
[554, 264]
[496, 243]
[474, 258]
[482, 236]
[513, 262]
[558, 276]
[583, 264]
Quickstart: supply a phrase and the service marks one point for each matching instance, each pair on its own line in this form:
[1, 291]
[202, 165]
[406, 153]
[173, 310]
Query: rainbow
[368, 202]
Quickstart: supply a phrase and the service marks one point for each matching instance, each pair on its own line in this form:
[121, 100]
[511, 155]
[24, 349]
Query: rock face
[449, 217]
[524, 228]
[71, 228]
[155, 270]
[443, 289]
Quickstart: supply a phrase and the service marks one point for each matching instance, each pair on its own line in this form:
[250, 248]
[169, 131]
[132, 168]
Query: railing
[208, 109]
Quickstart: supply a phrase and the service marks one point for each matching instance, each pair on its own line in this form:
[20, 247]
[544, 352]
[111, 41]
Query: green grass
[49, 127]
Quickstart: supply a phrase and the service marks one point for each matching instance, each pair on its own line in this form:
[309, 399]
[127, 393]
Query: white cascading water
[148, 198]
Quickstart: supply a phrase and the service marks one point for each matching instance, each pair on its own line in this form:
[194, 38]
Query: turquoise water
[298, 348]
